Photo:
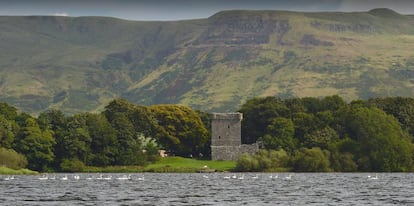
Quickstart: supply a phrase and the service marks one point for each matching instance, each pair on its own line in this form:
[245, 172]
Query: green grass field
[179, 164]
[167, 164]
[171, 164]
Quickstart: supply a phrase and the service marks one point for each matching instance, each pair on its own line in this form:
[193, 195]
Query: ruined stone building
[226, 137]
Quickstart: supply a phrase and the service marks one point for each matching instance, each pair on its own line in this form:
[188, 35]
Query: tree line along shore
[297, 134]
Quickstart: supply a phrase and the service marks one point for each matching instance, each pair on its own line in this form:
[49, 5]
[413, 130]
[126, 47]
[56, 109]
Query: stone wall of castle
[226, 137]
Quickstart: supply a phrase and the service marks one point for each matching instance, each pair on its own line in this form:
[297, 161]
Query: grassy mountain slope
[214, 64]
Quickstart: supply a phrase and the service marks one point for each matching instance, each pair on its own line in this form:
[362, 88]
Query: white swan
[289, 177]
[64, 177]
[43, 177]
[124, 177]
[9, 178]
[273, 176]
[373, 177]
[141, 178]
[76, 177]
[107, 178]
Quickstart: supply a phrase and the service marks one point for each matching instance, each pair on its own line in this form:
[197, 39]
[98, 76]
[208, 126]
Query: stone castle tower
[226, 137]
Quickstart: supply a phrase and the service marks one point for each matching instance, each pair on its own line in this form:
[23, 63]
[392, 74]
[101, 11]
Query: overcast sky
[186, 9]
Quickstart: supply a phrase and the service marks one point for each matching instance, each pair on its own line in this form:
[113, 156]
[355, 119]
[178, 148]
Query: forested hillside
[214, 64]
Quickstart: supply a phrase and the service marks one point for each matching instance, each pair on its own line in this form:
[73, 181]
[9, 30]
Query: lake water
[211, 189]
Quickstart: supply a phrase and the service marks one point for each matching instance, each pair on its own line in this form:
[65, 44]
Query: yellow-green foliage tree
[180, 129]
[310, 160]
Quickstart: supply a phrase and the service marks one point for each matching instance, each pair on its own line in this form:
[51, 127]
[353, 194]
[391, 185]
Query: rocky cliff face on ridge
[214, 64]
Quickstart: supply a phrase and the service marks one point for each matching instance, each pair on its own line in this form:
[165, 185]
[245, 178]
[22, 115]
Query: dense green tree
[7, 111]
[118, 106]
[140, 117]
[258, 113]
[320, 138]
[125, 134]
[7, 132]
[295, 105]
[104, 144]
[132, 123]
[75, 144]
[52, 119]
[381, 143]
[305, 123]
[343, 162]
[402, 108]
[36, 145]
[279, 135]
[312, 104]
[332, 103]
[56, 121]
[21, 119]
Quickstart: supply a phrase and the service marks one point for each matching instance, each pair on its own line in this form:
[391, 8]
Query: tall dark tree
[7, 132]
[36, 145]
[104, 145]
[205, 118]
[56, 121]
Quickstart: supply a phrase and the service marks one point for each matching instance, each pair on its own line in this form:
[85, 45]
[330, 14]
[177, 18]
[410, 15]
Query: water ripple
[213, 189]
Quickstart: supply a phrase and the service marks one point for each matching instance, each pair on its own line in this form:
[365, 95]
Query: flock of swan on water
[99, 177]
[78, 177]
[141, 178]
[242, 177]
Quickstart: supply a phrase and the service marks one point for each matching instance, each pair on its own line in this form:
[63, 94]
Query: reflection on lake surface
[209, 189]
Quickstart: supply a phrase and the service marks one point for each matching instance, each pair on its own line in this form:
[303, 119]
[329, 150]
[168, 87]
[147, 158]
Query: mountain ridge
[79, 64]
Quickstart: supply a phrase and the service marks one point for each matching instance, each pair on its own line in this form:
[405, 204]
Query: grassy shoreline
[164, 165]
[170, 164]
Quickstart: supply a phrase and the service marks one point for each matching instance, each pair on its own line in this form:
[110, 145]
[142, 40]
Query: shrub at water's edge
[8, 171]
